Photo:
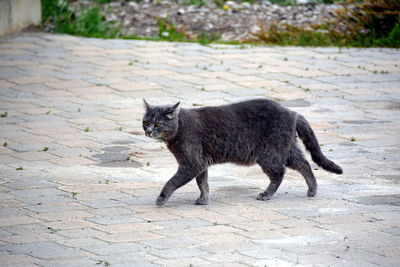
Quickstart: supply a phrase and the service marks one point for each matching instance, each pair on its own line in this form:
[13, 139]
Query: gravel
[235, 21]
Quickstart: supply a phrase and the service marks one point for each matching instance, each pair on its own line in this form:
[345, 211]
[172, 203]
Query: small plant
[352, 139]
[285, 59]
[103, 262]
[45, 149]
[107, 181]
[48, 112]
[87, 129]
[330, 150]
[5, 114]
[73, 194]
[19, 168]
[169, 31]
[147, 163]
[5, 144]
[119, 128]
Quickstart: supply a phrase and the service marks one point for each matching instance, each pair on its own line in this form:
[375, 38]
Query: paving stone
[9, 259]
[110, 220]
[56, 213]
[68, 262]
[164, 243]
[45, 250]
[175, 253]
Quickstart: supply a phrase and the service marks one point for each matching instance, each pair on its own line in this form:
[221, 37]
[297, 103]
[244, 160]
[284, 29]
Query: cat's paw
[202, 201]
[262, 196]
[161, 200]
[311, 193]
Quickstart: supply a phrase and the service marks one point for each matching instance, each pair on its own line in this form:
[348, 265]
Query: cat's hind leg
[202, 182]
[275, 170]
[298, 162]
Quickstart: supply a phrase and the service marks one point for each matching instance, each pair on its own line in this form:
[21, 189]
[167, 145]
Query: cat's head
[160, 122]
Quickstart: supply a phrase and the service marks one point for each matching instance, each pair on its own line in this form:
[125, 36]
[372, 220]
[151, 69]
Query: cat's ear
[146, 105]
[172, 111]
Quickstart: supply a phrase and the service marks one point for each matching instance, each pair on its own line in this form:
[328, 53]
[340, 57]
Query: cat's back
[246, 112]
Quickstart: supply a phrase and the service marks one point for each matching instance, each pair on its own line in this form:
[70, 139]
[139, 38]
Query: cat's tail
[307, 135]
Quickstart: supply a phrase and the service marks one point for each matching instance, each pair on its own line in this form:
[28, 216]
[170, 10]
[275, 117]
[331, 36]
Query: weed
[147, 163]
[198, 3]
[103, 262]
[260, 66]
[73, 194]
[5, 144]
[48, 112]
[45, 149]
[119, 128]
[79, 110]
[133, 62]
[306, 89]
[107, 181]
[87, 22]
[330, 150]
[5, 114]
[19, 168]
[168, 31]
[285, 59]
[87, 129]
[352, 139]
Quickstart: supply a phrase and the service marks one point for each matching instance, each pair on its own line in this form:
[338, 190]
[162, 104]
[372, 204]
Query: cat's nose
[148, 133]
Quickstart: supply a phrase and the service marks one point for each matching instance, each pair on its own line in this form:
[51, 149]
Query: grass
[89, 23]
[4, 115]
[369, 24]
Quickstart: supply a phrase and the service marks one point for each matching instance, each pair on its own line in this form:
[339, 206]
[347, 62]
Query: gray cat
[257, 131]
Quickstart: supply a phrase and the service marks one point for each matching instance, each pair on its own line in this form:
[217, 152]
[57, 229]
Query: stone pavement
[78, 179]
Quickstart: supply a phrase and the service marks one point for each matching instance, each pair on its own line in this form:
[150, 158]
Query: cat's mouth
[151, 135]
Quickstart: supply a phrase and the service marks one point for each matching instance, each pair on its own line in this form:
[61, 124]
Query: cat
[256, 131]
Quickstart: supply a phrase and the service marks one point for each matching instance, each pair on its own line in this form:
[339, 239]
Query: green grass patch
[89, 22]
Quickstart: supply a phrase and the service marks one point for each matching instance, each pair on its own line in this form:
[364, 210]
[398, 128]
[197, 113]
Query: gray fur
[257, 131]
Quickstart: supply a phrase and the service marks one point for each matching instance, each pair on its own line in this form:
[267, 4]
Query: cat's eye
[158, 124]
[146, 123]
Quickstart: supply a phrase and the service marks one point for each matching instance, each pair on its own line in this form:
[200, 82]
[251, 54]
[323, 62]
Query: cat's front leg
[184, 175]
